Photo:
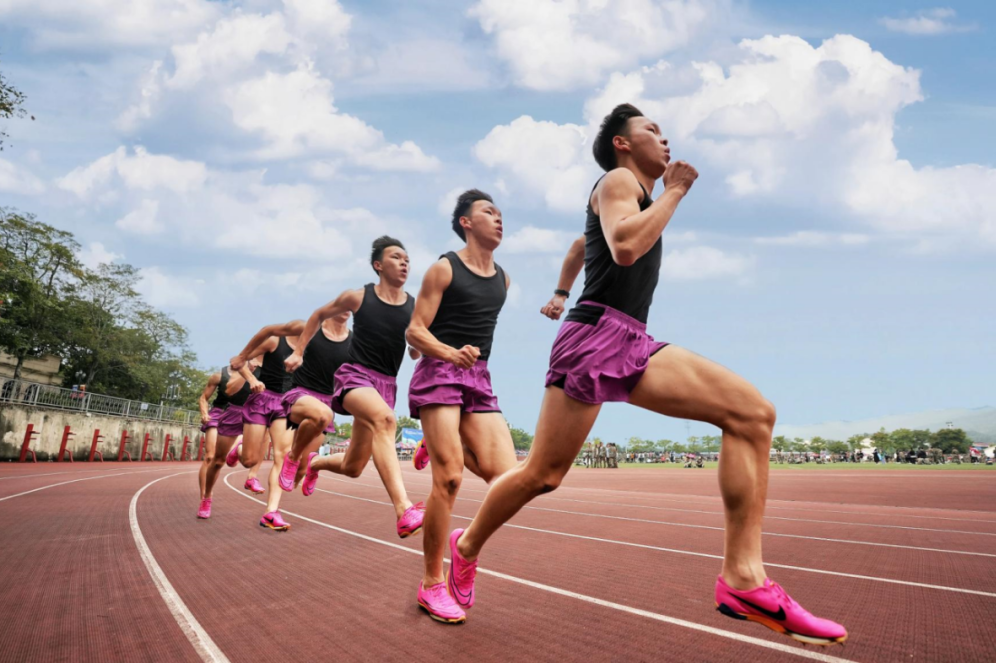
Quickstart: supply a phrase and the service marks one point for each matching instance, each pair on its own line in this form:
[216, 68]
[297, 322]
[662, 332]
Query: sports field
[110, 564]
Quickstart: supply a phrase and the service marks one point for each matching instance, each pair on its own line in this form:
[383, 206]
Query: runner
[366, 387]
[229, 432]
[602, 353]
[307, 406]
[218, 382]
[453, 327]
[264, 410]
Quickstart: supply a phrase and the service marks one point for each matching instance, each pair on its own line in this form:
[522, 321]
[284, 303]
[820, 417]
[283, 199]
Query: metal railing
[33, 394]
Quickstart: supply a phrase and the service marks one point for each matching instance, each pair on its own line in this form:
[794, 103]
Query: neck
[477, 256]
[388, 291]
[647, 181]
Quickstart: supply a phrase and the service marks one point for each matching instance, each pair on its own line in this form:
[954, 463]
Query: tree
[818, 444]
[344, 430]
[922, 437]
[711, 443]
[520, 438]
[951, 441]
[638, 445]
[40, 270]
[780, 443]
[11, 104]
[837, 447]
[854, 442]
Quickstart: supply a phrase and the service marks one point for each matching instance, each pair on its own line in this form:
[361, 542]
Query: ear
[621, 143]
[465, 222]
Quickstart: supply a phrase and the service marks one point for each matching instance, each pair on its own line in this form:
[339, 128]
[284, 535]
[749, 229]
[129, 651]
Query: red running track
[111, 564]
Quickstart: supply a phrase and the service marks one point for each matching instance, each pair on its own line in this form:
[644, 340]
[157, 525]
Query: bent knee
[353, 470]
[449, 483]
[754, 421]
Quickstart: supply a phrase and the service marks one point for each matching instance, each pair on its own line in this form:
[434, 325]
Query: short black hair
[464, 203]
[380, 245]
[613, 125]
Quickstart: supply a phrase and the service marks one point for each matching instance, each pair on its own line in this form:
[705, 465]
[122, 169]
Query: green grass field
[978, 467]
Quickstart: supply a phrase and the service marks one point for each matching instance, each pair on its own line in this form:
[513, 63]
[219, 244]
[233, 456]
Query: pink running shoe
[460, 578]
[254, 485]
[274, 521]
[288, 473]
[233, 455]
[421, 458]
[440, 605]
[310, 477]
[205, 510]
[769, 605]
[411, 522]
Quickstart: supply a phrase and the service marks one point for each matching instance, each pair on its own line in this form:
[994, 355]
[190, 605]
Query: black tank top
[322, 358]
[221, 399]
[379, 333]
[272, 373]
[627, 289]
[468, 311]
[239, 398]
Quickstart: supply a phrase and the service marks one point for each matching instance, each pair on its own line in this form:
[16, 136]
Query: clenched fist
[680, 174]
[293, 362]
[465, 357]
[554, 308]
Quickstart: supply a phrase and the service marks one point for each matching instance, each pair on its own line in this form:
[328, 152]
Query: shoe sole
[441, 620]
[200, 517]
[406, 535]
[275, 528]
[778, 628]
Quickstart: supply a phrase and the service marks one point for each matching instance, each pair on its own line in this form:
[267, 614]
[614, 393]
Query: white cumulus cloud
[169, 291]
[140, 170]
[699, 263]
[566, 44]
[15, 179]
[530, 239]
[142, 220]
[97, 254]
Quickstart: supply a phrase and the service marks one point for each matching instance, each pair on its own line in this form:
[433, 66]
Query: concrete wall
[14, 420]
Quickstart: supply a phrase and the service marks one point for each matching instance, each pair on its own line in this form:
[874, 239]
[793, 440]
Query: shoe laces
[467, 570]
[786, 600]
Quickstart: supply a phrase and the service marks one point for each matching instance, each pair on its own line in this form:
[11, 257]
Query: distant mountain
[979, 423]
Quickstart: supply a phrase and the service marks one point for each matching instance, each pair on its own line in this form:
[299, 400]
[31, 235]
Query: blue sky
[837, 249]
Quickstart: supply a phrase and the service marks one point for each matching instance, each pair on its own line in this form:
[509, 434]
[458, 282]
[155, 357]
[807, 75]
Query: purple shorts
[230, 421]
[600, 354]
[354, 376]
[438, 382]
[294, 395]
[263, 408]
[213, 414]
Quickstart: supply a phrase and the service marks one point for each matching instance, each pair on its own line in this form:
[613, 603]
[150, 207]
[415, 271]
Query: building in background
[43, 370]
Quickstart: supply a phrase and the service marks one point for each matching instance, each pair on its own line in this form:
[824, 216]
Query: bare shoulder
[618, 184]
[439, 275]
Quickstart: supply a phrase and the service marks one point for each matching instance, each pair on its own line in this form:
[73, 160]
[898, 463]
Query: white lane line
[51, 474]
[720, 513]
[198, 637]
[720, 529]
[814, 656]
[685, 499]
[63, 483]
[645, 546]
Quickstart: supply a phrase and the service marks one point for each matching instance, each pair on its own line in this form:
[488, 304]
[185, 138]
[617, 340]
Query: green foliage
[11, 104]
[344, 430]
[837, 447]
[951, 440]
[109, 339]
[520, 438]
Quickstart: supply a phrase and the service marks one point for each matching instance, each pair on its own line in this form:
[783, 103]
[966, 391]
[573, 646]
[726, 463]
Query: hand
[236, 363]
[465, 357]
[554, 308]
[205, 418]
[679, 175]
[293, 362]
[256, 386]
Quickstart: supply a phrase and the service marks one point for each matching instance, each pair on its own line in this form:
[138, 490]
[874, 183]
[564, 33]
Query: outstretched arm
[265, 341]
[573, 262]
[434, 284]
[629, 232]
[347, 301]
[209, 389]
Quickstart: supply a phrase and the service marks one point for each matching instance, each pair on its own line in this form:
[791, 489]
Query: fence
[22, 392]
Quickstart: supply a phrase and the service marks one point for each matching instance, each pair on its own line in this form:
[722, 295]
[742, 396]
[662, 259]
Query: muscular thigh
[309, 407]
[366, 404]
[210, 441]
[282, 438]
[487, 436]
[680, 383]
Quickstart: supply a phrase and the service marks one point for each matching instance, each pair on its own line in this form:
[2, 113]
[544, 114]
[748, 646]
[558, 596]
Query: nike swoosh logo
[777, 616]
[456, 589]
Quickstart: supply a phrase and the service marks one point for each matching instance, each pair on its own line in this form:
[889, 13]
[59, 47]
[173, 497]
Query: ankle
[431, 580]
[744, 577]
[465, 550]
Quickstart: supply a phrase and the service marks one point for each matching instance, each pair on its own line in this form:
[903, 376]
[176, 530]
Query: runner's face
[649, 148]
[486, 224]
[394, 265]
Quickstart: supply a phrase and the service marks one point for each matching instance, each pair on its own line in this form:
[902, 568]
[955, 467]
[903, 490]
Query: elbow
[624, 256]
